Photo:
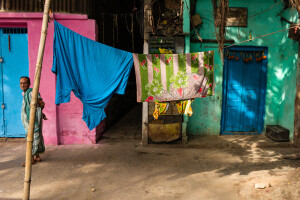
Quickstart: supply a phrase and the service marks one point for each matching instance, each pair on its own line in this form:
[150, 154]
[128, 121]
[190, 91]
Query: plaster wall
[64, 124]
[282, 64]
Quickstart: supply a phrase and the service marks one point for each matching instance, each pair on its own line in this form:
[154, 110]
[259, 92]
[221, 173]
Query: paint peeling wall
[282, 64]
[64, 124]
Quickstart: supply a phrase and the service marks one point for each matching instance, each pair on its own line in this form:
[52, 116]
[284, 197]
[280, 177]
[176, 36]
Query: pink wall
[64, 124]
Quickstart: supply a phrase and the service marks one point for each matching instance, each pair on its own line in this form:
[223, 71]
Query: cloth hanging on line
[171, 77]
[160, 109]
[183, 107]
[93, 71]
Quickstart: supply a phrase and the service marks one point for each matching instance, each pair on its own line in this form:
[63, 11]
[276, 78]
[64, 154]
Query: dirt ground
[118, 167]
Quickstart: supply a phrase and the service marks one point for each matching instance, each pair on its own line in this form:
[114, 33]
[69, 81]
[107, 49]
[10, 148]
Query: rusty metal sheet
[164, 132]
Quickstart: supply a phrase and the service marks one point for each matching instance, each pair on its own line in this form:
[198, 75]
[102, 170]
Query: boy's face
[24, 84]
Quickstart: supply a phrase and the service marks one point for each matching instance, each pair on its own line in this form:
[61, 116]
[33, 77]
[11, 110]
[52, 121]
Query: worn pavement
[118, 167]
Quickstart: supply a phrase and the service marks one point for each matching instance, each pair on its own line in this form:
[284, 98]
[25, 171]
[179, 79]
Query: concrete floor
[118, 167]
[130, 128]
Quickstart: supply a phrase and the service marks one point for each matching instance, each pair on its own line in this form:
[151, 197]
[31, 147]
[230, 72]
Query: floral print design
[143, 64]
[209, 71]
[194, 77]
[180, 81]
[195, 59]
[155, 58]
[149, 99]
[156, 65]
[156, 71]
[154, 88]
[168, 62]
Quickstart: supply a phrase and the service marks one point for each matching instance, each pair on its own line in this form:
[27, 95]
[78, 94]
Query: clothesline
[102, 71]
[297, 25]
[265, 10]
[238, 27]
[159, 77]
[262, 36]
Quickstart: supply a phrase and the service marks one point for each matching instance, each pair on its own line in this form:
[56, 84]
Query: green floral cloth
[171, 77]
[38, 145]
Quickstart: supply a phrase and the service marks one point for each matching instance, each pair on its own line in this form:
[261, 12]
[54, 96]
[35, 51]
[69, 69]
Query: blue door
[14, 64]
[244, 87]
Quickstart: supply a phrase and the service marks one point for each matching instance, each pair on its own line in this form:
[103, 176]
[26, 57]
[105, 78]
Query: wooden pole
[33, 102]
[147, 29]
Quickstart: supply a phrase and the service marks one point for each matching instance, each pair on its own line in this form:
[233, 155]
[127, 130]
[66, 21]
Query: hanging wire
[140, 25]
[265, 10]
[132, 34]
[251, 15]
[262, 36]
[103, 29]
[117, 27]
[140, 20]
[113, 31]
[126, 24]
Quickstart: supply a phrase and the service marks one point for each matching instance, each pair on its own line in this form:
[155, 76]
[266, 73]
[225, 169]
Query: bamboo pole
[33, 102]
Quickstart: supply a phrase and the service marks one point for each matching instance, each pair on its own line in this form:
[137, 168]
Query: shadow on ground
[118, 167]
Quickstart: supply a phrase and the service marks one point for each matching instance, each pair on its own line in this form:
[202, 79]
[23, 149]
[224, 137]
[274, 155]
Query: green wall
[282, 64]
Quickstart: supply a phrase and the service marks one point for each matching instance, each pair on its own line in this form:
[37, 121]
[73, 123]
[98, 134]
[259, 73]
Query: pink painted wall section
[64, 124]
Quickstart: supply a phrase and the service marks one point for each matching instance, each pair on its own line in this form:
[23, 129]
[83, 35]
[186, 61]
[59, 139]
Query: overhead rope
[262, 36]
[265, 10]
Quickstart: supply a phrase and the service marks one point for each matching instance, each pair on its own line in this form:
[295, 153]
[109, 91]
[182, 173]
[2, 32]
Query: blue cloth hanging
[93, 71]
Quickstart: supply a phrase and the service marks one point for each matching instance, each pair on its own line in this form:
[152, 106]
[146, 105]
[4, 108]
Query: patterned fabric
[160, 109]
[182, 107]
[38, 145]
[170, 77]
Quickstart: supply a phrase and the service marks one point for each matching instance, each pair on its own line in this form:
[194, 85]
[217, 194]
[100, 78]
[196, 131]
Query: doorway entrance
[244, 90]
[14, 64]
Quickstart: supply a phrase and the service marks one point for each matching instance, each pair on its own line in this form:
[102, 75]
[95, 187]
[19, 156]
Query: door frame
[6, 117]
[262, 99]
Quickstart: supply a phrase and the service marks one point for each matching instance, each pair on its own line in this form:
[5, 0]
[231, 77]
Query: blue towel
[93, 71]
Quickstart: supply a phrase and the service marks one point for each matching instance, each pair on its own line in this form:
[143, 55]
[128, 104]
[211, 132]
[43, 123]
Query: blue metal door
[244, 90]
[14, 54]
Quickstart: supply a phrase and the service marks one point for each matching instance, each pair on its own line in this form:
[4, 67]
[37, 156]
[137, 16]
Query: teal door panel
[251, 95]
[244, 90]
[14, 49]
[234, 94]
